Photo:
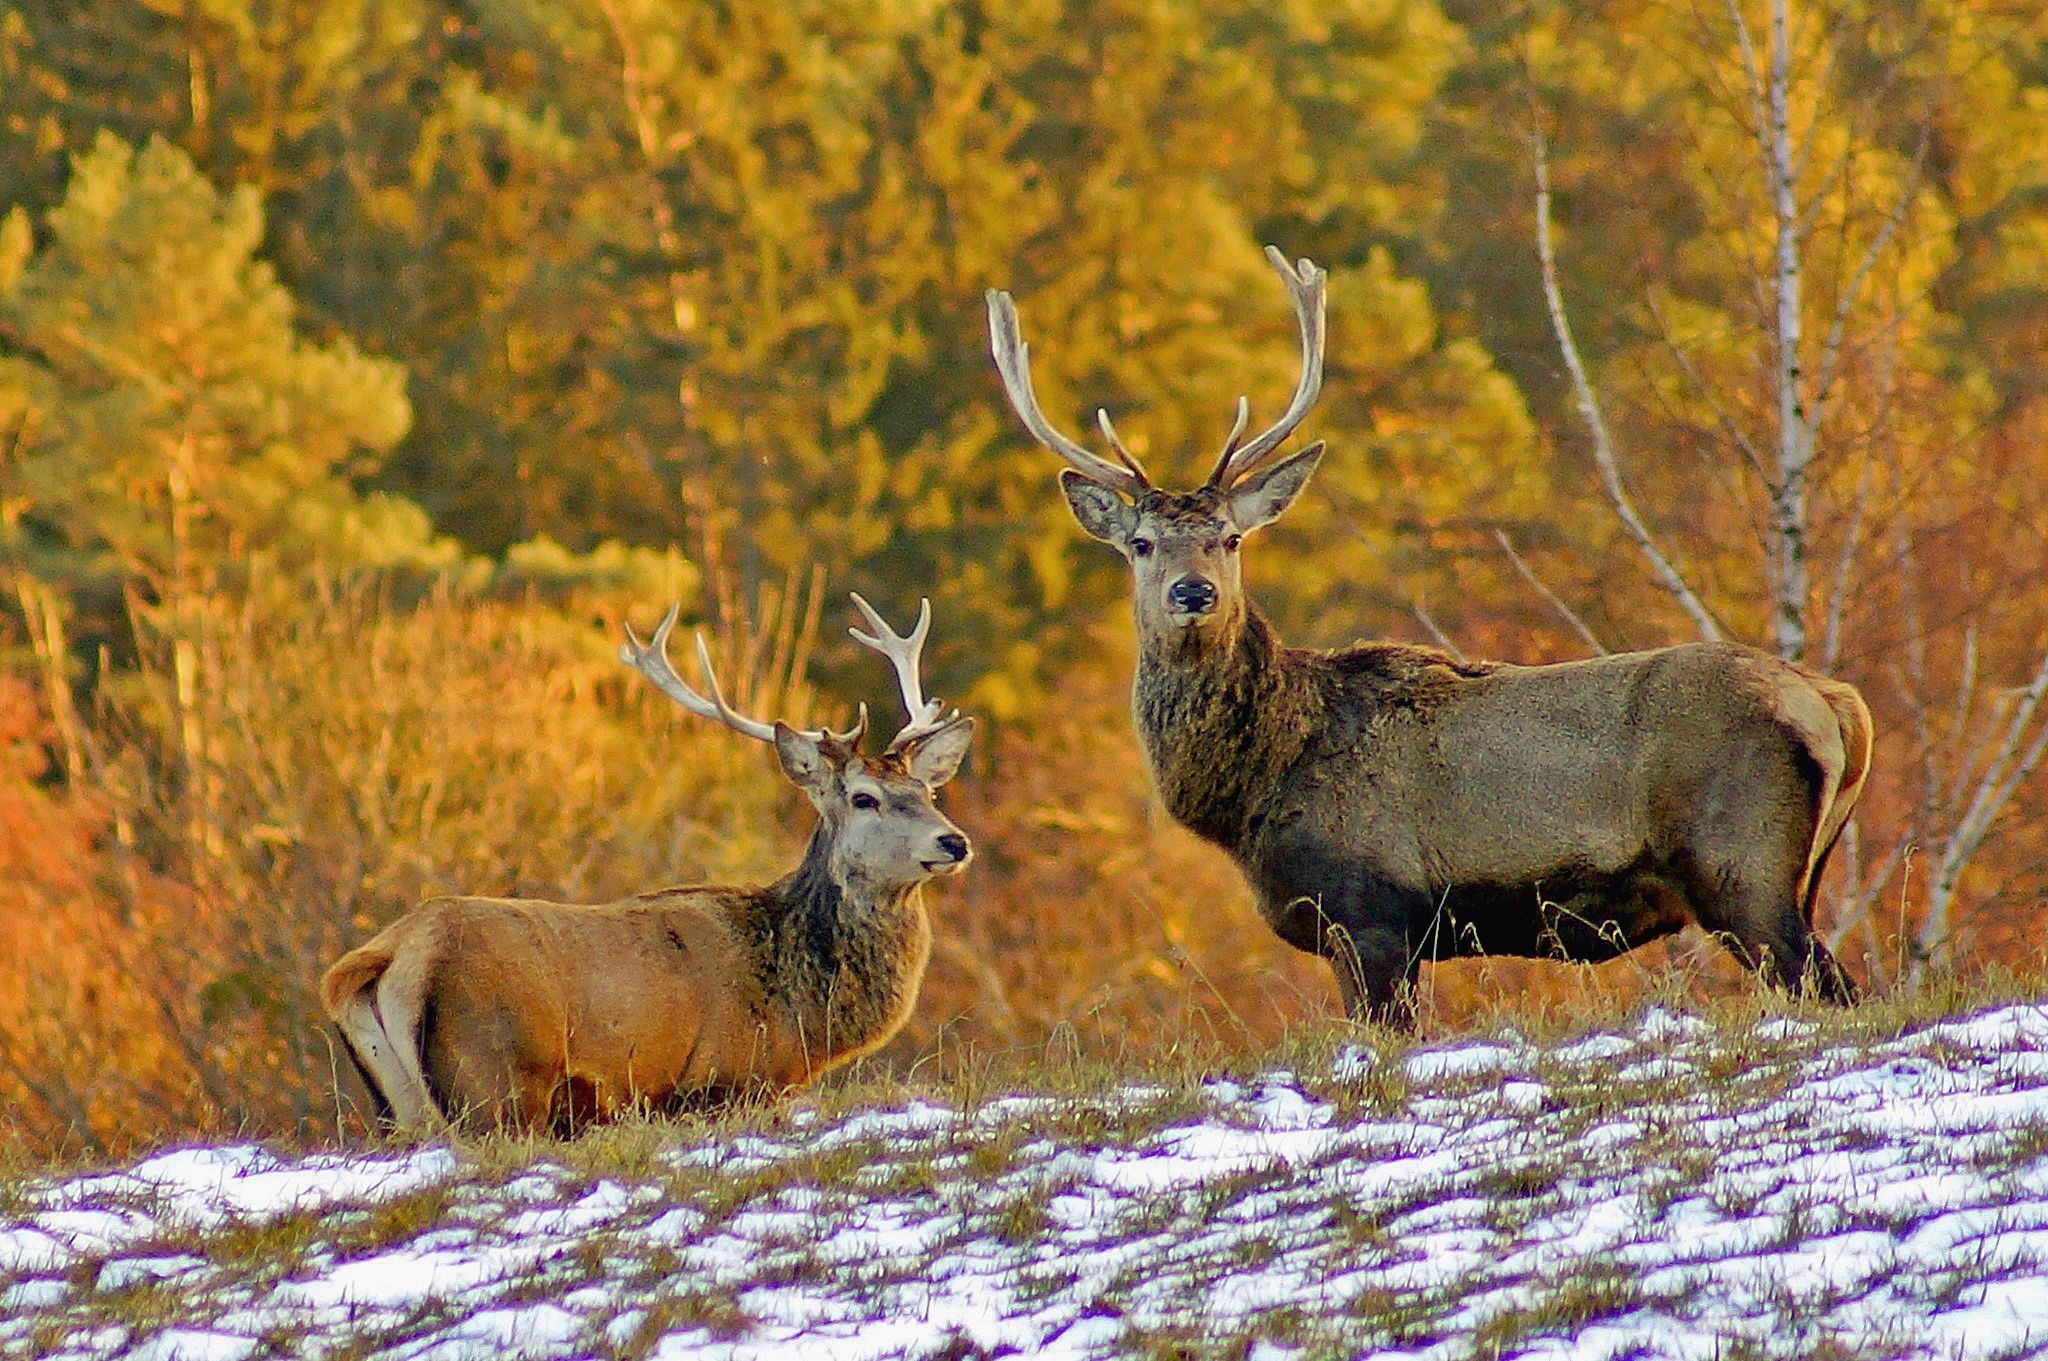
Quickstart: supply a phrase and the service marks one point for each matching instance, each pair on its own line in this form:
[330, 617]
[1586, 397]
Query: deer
[1390, 803]
[538, 1017]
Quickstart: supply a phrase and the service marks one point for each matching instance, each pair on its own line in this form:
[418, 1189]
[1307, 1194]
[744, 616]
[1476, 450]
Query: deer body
[1390, 804]
[543, 1016]
[700, 993]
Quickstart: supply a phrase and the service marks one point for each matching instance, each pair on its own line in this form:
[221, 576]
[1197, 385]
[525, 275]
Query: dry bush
[330, 764]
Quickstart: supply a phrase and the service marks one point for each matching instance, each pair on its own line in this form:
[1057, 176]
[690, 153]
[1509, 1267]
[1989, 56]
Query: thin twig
[1441, 638]
[1831, 348]
[1565, 612]
[1604, 457]
[1729, 426]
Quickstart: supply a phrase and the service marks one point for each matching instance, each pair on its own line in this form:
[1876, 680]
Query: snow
[1603, 1198]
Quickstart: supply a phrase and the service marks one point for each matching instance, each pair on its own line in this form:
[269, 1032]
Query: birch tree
[1797, 396]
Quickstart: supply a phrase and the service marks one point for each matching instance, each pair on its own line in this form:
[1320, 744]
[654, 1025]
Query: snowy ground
[1675, 1191]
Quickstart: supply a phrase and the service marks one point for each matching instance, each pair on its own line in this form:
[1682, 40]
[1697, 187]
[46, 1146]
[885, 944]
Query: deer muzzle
[956, 852]
[1191, 600]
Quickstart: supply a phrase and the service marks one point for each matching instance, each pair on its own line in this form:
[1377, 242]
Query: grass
[1749, 1057]
[998, 1158]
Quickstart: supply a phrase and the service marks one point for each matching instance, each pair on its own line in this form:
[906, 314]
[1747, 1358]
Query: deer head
[884, 829]
[1182, 546]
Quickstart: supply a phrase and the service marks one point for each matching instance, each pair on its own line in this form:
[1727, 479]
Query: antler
[1013, 361]
[650, 659]
[924, 716]
[1305, 284]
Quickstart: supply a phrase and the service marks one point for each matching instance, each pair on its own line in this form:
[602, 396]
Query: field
[1738, 1182]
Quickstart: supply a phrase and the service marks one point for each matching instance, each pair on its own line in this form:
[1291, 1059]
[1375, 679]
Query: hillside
[1680, 1188]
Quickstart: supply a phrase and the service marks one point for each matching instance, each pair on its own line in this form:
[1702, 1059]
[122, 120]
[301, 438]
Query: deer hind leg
[493, 1064]
[1795, 962]
[1749, 891]
[385, 1047]
[497, 1093]
[376, 1058]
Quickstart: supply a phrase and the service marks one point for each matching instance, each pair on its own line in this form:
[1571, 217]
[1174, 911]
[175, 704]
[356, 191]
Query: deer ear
[936, 759]
[1260, 498]
[804, 759]
[1101, 511]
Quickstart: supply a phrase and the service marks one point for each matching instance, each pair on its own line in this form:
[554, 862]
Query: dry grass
[1345, 1192]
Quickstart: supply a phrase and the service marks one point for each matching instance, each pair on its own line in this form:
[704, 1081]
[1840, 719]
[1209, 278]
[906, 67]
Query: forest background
[365, 363]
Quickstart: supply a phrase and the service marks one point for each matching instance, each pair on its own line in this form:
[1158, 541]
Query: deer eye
[1141, 548]
[1230, 544]
[866, 802]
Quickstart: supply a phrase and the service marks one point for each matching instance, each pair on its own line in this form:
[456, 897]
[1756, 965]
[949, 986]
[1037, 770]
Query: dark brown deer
[1391, 804]
[497, 1013]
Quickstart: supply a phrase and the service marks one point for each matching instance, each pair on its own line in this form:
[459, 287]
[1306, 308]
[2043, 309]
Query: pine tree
[173, 421]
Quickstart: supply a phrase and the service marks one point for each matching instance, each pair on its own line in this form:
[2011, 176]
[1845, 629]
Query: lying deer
[498, 1013]
[1390, 803]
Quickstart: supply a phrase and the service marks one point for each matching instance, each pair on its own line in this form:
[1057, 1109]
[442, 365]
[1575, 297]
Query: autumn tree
[1785, 395]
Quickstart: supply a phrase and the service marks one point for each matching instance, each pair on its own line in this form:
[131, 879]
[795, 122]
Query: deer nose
[954, 844]
[1192, 595]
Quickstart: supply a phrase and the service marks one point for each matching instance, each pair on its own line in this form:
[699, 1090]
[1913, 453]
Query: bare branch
[2018, 751]
[1790, 578]
[1436, 633]
[1729, 426]
[1838, 590]
[1831, 348]
[1857, 902]
[1565, 612]
[1604, 457]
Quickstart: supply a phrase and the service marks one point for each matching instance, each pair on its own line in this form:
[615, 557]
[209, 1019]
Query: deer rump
[1576, 811]
[540, 1015]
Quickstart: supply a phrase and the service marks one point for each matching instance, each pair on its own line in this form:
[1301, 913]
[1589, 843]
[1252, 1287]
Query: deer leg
[1374, 968]
[1353, 916]
[1375, 975]
[1758, 916]
[380, 1105]
[1797, 962]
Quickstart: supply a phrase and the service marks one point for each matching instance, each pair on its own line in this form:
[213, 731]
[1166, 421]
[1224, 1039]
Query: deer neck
[1214, 716]
[845, 960]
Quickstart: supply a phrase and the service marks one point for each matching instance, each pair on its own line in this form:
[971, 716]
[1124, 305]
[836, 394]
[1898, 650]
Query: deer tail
[376, 995]
[1852, 721]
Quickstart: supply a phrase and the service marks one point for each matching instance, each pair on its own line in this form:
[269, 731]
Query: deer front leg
[1361, 937]
[1323, 899]
[1376, 975]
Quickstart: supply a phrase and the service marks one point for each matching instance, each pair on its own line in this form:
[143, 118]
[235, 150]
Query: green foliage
[173, 417]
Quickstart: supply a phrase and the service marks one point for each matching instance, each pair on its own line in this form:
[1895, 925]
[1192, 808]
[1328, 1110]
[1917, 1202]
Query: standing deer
[1390, 803]
[497, 1013]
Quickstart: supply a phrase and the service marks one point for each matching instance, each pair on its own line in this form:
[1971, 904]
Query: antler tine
[736, 721]
[905, 652]
[1013, 361]
[1305, 284]
[650, 659]
[1124, 455]
[1244, 415]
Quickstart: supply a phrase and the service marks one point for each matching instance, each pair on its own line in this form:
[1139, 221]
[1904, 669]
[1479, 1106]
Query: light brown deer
[1391, 804]
[497, 1013]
